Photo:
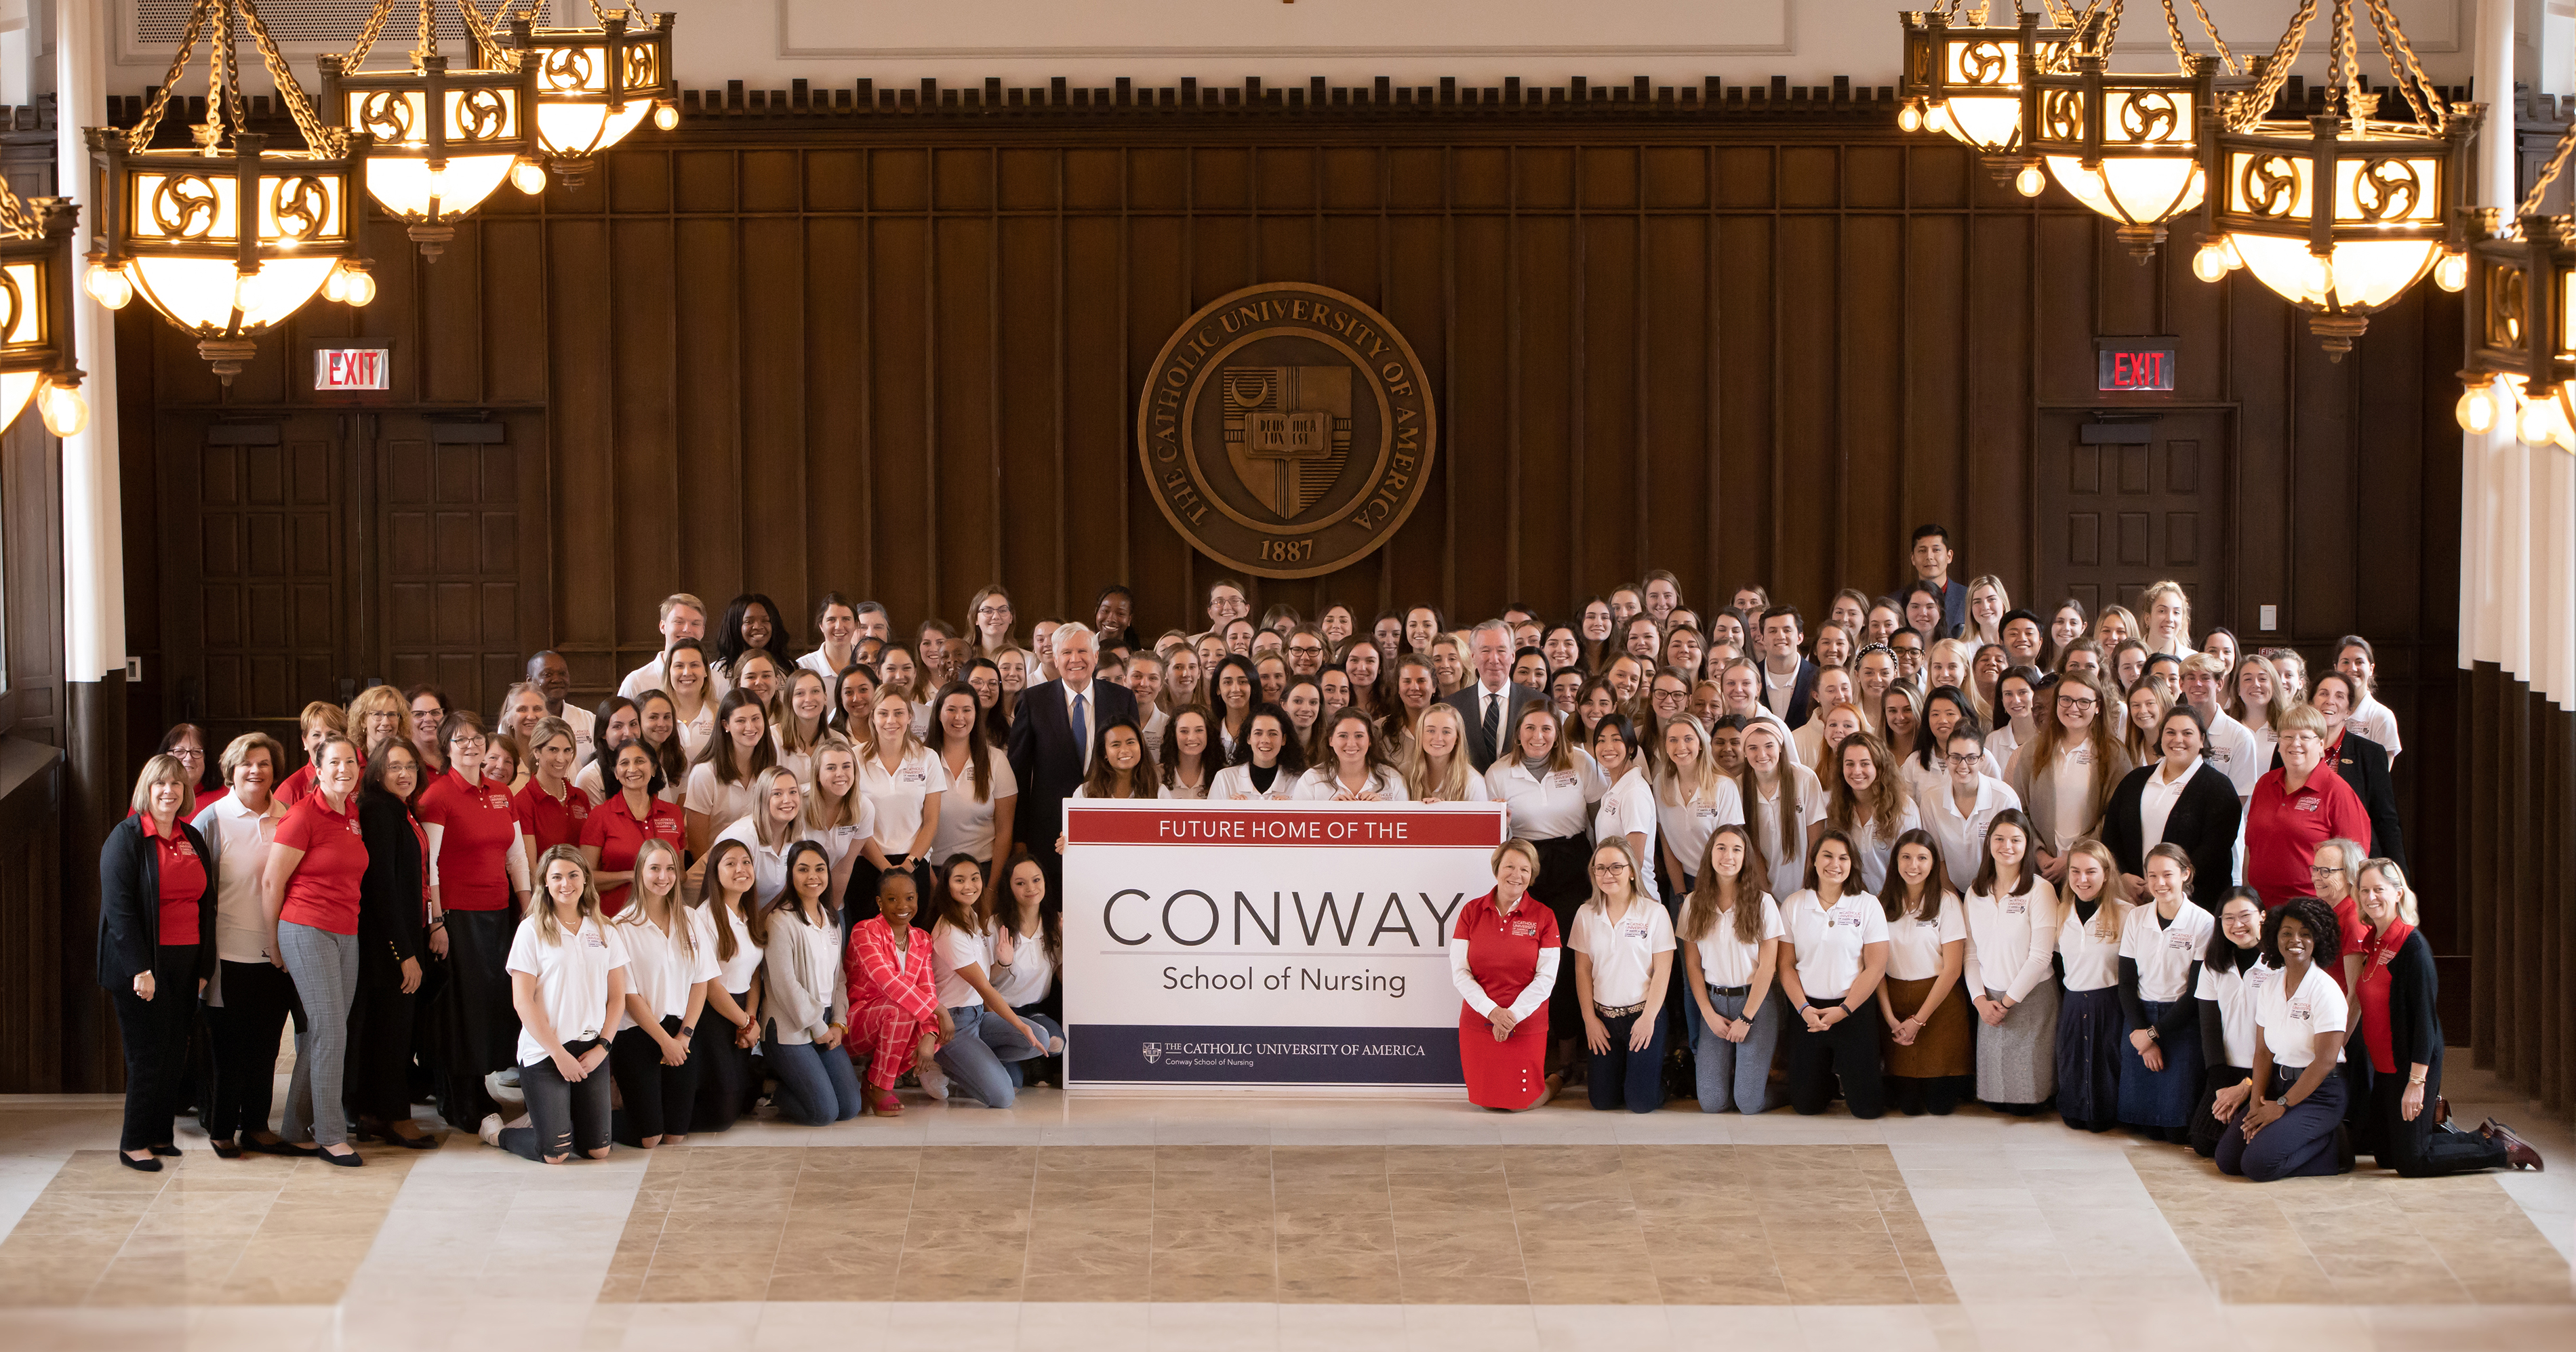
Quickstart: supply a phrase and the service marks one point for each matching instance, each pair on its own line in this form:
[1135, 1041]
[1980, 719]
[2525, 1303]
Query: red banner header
[1331, 825]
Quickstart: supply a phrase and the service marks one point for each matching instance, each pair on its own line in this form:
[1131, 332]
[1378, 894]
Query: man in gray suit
[1491, 703]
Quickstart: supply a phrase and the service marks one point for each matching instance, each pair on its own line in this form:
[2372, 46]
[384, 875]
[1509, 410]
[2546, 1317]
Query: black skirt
[474, 1029]
[1564, 883]
[2091, 1029]
[724, 1070]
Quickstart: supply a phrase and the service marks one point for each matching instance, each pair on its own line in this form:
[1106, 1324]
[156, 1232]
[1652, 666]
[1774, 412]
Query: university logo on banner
[1286, 430]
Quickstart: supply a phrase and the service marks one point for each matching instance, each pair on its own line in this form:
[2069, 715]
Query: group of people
[1940, 847]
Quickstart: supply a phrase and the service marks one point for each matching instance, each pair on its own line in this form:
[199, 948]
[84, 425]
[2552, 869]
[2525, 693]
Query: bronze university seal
[1286, 430]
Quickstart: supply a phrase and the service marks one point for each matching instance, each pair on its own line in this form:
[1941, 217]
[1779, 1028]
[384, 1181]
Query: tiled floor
[1267, 1224]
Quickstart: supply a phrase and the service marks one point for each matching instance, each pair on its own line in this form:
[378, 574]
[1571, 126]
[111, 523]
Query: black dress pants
[661, 1100]
[1849, 1050]
[155, 1034]
[244, 1031]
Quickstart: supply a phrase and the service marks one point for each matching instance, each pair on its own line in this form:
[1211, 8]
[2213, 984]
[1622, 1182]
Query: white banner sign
[1267, 944]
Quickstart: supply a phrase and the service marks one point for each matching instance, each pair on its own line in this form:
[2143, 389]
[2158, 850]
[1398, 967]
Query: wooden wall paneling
[2072, 269]
[966, 450]
[599, 452]
[779, 520]
[513, 344]
[1809, 476]
[1549, 471]
[1612, 515]
[707, 310]
[36, 973]
[1023, 317]
[1672, 468]
[1934, 439]
[1414, 300]
[1748, 392]
[31, 577]
[1479, 484]
[1871, 320]
[450, 311]
[2262, 342]
[899, 314]
[1153, 249]
[1097, 356]
[1993, 522]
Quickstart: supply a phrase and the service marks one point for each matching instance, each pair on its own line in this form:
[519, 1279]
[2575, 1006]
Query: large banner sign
[1267, 944]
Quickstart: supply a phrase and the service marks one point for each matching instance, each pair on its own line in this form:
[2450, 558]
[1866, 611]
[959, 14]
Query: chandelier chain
[223, 79]
[318, 138]
[2548, 173]
[2245, 109]
[2418, 87]
[141, 137]
[2226, 58]
[425, 44]
[367, 36]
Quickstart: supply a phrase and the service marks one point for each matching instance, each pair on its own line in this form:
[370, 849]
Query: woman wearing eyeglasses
[2066, 774]
[2297, 808]
[1623, 962]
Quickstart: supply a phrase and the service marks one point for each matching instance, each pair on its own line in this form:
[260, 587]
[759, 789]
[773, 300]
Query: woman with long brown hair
[1730, 934]
[1870, 803]
[1927, 1049]
[2066, 775]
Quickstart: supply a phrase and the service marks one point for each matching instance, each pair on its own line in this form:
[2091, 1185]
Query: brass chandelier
[595, 85]
[2521, 306]
[37, 362]
[2127, 146]
[229, 237]
[444, 139]
[2342, 211]
[1966, 80]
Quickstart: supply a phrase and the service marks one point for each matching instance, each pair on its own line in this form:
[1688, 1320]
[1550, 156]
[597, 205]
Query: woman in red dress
[1503, 956]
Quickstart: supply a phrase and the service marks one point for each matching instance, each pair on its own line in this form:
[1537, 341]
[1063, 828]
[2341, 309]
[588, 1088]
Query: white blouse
[1628, 808]
[1725, 960]
[2010, 939]
[1235, 781]
[899, 794]
[2092, 962]
[965, 825]
[1687, 826]
[1323, 784]
[1560, 804]
[658, 967]
[1914, 944]
[2236, 991]
[1763, 817]
[2165, 950]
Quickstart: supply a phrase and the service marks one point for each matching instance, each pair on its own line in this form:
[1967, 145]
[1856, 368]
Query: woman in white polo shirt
[1692, 800]
[1268, 761]
[1836, 956]
[1436, 765]
[568, 983]
[2161, 946]
[1358, 770]
[1928, 1047]
[2232, 977]
[1623, 961]
[671, 960]
[1870, 802]
[1627, 804]
[908, 785]
[2012, 936]
[1730, 933]
[2287, 1127]
[1784, 803]
[2090, 1028]
[1546, 786]
[769, 831]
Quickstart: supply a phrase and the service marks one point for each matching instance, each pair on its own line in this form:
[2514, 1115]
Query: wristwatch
[688, 1030]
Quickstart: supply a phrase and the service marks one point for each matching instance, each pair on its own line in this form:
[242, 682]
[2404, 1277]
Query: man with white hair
[1052, 739]
[1492, 703]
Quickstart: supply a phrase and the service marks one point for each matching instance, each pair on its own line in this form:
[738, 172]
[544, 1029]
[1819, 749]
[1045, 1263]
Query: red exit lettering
[358, 368]
[2136, 369]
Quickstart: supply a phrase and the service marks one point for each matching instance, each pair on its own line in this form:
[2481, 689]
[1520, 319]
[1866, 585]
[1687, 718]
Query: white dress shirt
[2237, 754]
[2010, 939]
[1829, 940]
[2377, 722]
[1963, 838]
[2156, 803]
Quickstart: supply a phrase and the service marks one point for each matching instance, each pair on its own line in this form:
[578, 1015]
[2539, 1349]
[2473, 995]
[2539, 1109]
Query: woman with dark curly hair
[2288, 1125]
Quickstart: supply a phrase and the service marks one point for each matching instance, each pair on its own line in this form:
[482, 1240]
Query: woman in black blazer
[377, 1084]
[2202, 820]
[2395, 1025]
[156, 948]
[2359, 762]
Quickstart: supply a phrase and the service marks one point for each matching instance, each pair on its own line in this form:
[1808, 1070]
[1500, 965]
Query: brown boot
[2517, 1151]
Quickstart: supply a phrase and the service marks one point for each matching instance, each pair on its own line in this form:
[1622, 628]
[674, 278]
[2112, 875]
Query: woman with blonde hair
[156, 947]
[1730, 935]
[800, 718]
[568, 976]
[671, 966]
[376, 716]
[1503, 955]
[1987, 604]
[2065, 775]
[1870, 802]
[2161, 946]
[2400, 1029]
[1623, 962]
[1692, 800]
[2113, 626]
[2092, 1028]
[2256, 696]
[2142, 734]
[1784, 806]
[2168, 627]
[1436, 767]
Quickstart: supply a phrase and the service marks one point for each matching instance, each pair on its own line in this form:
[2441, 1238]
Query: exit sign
[353, 368]
[2134, 366]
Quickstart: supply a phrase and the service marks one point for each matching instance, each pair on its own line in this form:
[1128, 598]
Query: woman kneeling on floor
[568, 983]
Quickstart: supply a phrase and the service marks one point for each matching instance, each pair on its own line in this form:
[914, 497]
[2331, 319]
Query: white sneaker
[934, 1081]
[490, 1131]
[508, 1079]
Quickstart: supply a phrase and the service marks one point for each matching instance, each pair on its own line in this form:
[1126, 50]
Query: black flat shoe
[225, 1150]
[167, 1152]
[280, 1146]
[347, 1161]
[144, 1166]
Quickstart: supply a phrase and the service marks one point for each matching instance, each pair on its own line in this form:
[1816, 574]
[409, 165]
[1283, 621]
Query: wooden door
[255, 609]
[462, 555]
[2129, 499]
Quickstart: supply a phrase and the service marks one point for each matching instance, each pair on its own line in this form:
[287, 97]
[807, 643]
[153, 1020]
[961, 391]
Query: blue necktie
[1081, 755]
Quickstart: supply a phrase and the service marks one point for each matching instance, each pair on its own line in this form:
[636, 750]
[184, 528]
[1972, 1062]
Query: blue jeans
[1048, 1030]
[1738, 1075]
[973, 1059]
[817, 1086]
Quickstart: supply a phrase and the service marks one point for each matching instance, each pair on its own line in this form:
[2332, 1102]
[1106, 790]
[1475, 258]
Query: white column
[93, 528]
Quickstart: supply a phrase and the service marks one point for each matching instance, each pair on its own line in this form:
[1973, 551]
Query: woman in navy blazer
[2202, 821]
[156, 948]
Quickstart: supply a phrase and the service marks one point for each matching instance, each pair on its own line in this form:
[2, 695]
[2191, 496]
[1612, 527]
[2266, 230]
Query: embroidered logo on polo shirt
[1524, 929]
[1561, 781]
[2301, 1008]
[2309, 804]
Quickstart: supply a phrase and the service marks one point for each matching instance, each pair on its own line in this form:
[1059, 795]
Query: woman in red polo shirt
[619, 826]
[1503, 957]
[551, 808]
[156, 947]
[311, 894]
[478, 872]
[2297, 808]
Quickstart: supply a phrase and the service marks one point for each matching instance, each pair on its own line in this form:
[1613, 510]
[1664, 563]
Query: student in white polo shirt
[568, 982]
[907, 783]
[2287, 1127]
[1627, 804]
[1731, 957]
[2232, 977]
[2161, 946]
[2372, 719]
[1966, 805]
[2012, 935]
[1836, 956]
[1928, 1048]
[1546, 786]
[1623, 946]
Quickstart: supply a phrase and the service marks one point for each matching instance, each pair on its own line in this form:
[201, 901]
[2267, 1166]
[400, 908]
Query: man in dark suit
[1059, 722]
[1931, 557]
[1491, 703]
[1782, 631]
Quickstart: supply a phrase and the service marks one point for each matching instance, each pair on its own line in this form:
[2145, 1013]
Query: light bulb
[2210, 263]
[2537, 425]
[109, 286]
[1909, 118]
[2030, 181]
[665, 116]
[528, 176]
[2476, 409]
[65, 412]
[2452, 272]
[336, 286]
[360, 288]
[2318, 279]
